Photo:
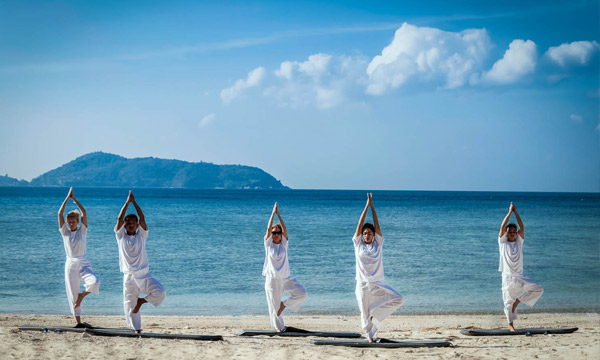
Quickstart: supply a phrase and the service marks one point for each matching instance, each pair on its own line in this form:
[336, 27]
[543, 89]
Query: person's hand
[130, 197]
[275, 208]
[70, 194]
[369, 199]
[513, 208]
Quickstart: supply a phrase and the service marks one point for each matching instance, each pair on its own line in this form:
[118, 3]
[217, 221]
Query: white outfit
[77, 266]
[375, 299]
[514, 284]
[133, 263]
[276, 270]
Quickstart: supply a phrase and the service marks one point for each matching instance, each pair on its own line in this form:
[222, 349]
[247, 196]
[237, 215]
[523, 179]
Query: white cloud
[207, 120]
[253, 79]
[428, 55]
[576, 53]
[519, 60]
[576, 118]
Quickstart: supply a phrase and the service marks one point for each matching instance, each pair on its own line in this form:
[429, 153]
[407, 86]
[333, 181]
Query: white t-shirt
[74, 241]
[132, 250]
[511, 255]
[369, 259]
[276, 261]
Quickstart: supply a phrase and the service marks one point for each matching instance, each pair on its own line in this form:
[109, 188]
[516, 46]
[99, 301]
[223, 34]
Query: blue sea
[206, 248]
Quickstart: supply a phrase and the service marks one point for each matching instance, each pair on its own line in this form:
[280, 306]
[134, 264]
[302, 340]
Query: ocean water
[206, 248]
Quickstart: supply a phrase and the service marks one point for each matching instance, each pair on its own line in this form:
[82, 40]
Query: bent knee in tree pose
[77, 266]
[516, 287]
[375, 299]
[131, 236]
[276, 270]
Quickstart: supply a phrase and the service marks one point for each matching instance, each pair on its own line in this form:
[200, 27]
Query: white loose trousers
[133, 285]
[79, 269]
[274, 288]
[519, 287]
[376, 300]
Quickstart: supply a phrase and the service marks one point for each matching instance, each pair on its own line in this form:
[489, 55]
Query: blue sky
[401, 95]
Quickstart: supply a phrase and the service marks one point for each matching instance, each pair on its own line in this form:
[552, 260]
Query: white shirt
[369, 259]
[132, 251]
[511, 255]
[74, 241]
[276, 261]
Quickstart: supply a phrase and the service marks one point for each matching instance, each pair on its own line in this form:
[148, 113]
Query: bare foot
[516, 303]
[281, 307]
[140, 302]
[80, 298]
[511, 327]
[138, 331]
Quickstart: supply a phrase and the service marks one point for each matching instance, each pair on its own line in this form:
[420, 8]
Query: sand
[583, 344]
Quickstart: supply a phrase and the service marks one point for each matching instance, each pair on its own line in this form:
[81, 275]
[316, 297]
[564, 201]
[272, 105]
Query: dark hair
[369, 226]
[131, 216]
[511, 225]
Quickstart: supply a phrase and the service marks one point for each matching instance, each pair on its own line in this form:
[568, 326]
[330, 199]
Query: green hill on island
[100, 169]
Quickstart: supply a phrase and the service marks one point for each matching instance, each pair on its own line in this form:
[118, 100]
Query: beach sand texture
[583, 344]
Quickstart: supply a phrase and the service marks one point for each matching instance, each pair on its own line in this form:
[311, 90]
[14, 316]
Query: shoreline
[583, 344]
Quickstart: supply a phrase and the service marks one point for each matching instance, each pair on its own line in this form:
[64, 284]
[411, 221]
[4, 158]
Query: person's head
[511, 232]
[131, 223]
[73, 219]
[368, 232]
[277, 233]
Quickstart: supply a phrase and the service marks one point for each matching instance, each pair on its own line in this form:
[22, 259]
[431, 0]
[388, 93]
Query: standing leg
[130, 295]
[509, 287]
[72, 287]
[297, 294]
[274, 290]
[364, 301]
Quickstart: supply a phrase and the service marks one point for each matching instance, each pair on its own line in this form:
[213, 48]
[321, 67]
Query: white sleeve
[143, 233]
[356, 240]
[379, 239]
[268, 240]
[64, 230]
[502, 239]
[120, 232]
[83, 230]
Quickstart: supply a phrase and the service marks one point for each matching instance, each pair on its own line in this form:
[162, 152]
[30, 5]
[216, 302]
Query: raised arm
[505, 221]
[270, 225]
[375, 220]
[61, 211]
[83, 212]
[142, 220]
[120, 220]
[363, 216]
[283, 229]
[519, 222]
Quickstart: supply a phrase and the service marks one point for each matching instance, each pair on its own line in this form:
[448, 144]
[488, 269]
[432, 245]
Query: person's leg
[366, 319]
[72, 288]
[509, 299]
[130, 297]
[297, 295]
[531, 291]
[149, 285]
[385, 301]
[274, 290]
[90, 282]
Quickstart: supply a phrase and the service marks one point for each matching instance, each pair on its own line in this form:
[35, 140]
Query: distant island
[99, 169]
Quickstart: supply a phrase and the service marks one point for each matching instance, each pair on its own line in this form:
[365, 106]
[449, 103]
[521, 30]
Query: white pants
[375, 300]
[274, 289]
[522, 288]
[76, 270]
[133, 285]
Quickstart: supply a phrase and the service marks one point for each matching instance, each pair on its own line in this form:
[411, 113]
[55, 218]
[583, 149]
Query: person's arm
[375, 220]
[363, 216]
[142, 219]
[61, 211]
[505, 221]
[519, 222]
[283, 229]
[83, 212]
[120, 220]
[270, 225]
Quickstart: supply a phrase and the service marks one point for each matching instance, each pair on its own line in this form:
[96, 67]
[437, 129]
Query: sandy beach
[583, 344]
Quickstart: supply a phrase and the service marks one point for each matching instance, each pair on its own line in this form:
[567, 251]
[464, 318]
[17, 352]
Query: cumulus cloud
[576, 118]
[574, 53]
[253, 79]
[519, 60]
[422, 54]
[207, 120]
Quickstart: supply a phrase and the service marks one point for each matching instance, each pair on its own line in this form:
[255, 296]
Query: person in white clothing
[77, 266]
[516, 288]
[131, 238]
[375, 299]
[276, 270]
